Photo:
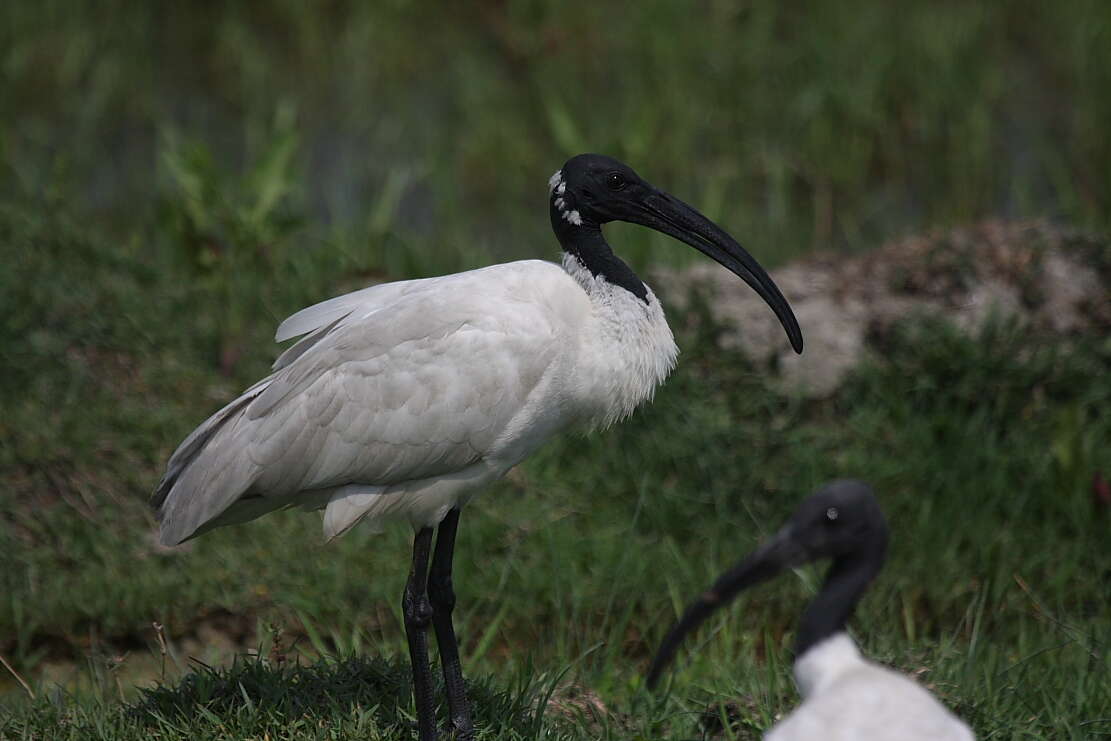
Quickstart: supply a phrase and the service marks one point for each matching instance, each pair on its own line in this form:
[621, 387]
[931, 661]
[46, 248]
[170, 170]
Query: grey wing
[420, 388]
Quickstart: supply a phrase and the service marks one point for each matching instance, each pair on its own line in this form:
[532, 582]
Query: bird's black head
[591, 190]
[842, 521]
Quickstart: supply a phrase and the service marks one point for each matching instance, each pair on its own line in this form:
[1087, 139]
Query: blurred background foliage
[799, 124]
[175, 178]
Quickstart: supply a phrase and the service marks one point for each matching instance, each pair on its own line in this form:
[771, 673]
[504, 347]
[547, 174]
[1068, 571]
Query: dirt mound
[1052, 279]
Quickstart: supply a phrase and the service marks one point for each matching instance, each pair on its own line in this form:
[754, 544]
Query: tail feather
[201, 482]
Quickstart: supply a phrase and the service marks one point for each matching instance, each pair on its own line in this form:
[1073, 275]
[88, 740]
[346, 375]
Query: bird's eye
[615, 181]
[832, 514]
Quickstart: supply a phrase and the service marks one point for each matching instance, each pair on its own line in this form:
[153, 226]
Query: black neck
[585, 241]
[845, 584]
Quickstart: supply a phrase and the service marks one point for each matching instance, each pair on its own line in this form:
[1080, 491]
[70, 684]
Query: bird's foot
[414, 728]
[459, 729]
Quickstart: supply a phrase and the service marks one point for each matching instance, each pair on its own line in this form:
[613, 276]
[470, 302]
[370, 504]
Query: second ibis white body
[845, 697]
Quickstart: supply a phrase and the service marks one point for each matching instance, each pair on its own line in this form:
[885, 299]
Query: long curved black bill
[666, 213]
[777, 554]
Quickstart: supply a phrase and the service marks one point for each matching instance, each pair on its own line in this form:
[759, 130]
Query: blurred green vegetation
[174, 180]
[797, 124]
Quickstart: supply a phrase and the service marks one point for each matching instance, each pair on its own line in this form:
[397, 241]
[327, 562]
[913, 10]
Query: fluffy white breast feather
[848, 698]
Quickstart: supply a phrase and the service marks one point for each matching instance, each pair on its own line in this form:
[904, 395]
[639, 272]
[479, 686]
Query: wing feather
[394, 383]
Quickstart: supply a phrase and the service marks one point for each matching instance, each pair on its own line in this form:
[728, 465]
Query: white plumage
[403, 397]
[848, 698]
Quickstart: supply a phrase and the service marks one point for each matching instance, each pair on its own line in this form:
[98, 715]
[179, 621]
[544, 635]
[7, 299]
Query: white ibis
[845, 697]
[403, 399]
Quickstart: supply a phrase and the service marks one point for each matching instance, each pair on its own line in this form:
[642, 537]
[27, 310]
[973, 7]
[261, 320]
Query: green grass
[176, 182]
[982, 450]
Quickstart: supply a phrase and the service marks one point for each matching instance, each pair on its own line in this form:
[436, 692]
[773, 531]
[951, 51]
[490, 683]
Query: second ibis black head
[842, 521]
[593, 189]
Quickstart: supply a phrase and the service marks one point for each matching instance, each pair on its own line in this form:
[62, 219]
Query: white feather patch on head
[557, 187]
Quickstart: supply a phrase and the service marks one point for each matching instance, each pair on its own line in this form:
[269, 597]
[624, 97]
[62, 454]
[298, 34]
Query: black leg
[442, 596]
[418, 612]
